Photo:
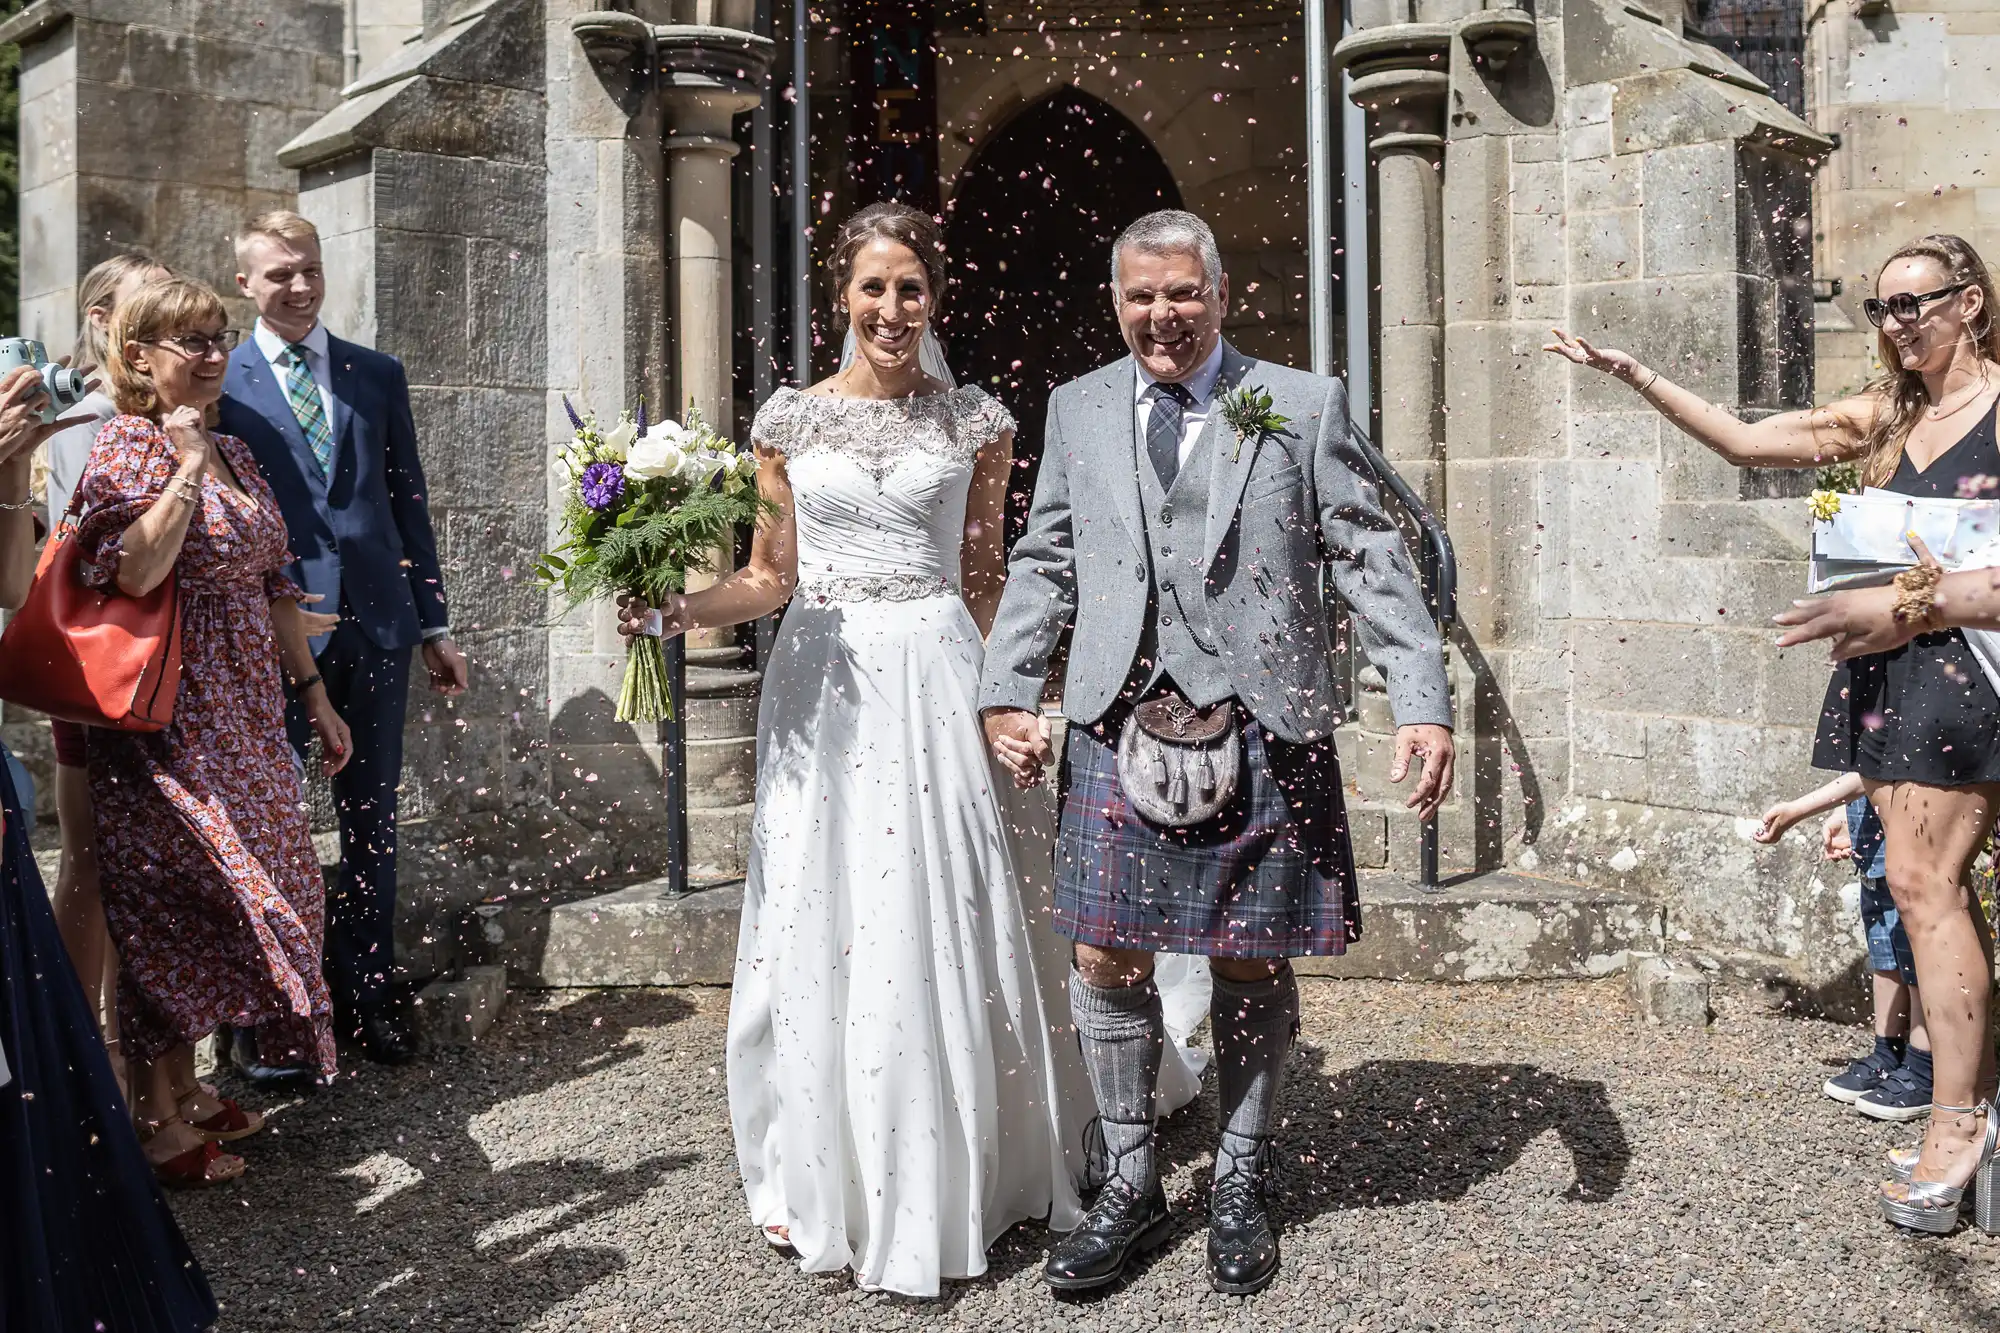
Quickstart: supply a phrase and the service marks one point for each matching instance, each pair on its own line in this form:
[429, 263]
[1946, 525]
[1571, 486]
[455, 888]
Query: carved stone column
[1400, 74]
[709, 75]
[1401, 79]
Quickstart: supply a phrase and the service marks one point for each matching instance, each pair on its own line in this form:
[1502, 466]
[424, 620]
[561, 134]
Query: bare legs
[80, 912]
[1933, 834]
[166, 1096]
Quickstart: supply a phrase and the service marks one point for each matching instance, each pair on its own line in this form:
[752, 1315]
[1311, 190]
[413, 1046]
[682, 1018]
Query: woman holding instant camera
[1919, 722]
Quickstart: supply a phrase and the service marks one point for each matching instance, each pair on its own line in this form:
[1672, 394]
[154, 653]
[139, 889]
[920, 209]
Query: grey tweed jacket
[1281, 511]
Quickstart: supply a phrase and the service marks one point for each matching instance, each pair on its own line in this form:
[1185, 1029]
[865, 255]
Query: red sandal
[228, 1125]
[198, 1167]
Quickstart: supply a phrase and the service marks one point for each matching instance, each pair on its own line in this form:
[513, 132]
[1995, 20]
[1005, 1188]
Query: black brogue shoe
[1242, 1243]
[1120, 1226]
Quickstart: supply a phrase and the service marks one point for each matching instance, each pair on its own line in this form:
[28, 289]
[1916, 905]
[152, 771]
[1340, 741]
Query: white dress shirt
[1201, 384]
[318, 361]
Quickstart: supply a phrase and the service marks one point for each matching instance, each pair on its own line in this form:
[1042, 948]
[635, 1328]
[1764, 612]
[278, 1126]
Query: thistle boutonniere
[1248, 412]
[1824, 505]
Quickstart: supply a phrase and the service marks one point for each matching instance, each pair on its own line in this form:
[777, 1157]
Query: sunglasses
[1907, 307]
[198, 345]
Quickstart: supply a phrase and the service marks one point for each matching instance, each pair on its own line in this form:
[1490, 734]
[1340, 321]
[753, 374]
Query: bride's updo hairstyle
[917, 232]
[1903, 398]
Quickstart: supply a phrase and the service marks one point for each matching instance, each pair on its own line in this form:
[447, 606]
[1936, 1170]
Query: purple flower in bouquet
[601, 484]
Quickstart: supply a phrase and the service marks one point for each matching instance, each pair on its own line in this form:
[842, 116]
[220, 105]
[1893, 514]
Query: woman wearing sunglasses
[207, 872]
[1919, 722]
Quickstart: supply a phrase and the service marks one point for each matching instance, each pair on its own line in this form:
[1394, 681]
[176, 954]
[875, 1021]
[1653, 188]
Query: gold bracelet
[1916, 593]
[1641, 388]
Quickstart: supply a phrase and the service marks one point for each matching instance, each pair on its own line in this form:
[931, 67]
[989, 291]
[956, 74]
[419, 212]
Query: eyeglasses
[1907, 307]
[197, 346]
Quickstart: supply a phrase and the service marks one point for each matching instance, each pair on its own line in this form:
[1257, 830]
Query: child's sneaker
[1866, 1074]
[1905, 1094]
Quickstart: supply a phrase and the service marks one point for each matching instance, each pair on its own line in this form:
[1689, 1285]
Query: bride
[903, 1082]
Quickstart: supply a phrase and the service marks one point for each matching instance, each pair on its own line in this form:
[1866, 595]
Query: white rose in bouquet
[662, 452]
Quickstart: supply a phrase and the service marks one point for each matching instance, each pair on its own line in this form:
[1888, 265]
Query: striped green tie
[302, 390]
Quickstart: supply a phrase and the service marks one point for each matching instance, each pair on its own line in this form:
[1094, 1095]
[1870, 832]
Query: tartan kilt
[1272, 876]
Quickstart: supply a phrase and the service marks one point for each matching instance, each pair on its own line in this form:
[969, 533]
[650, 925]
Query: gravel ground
[1520, 1157]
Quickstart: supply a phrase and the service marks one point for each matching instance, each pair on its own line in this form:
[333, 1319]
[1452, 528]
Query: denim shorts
[1888, 942]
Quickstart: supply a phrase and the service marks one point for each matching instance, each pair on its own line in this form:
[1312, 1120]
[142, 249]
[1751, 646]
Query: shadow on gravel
[391, 1216]
[1958, 1277]
[1391, 1132]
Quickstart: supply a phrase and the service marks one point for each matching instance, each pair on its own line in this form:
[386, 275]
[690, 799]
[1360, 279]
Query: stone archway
[1029, 230]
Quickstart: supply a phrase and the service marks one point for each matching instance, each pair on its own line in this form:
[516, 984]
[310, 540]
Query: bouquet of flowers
[643, 503]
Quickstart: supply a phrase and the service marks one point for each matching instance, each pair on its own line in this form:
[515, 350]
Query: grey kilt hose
[1272, 876]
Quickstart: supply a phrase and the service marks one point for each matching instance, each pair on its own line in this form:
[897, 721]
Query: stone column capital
[1401, 77]
[1405, 105]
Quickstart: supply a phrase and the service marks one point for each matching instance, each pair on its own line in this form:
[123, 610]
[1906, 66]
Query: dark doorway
[1029, 231]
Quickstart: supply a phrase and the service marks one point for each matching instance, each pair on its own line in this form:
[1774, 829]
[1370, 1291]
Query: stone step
[1493, 927]
[1499, 927]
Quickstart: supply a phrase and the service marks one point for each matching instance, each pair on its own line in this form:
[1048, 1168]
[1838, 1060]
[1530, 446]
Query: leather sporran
[1180, 765]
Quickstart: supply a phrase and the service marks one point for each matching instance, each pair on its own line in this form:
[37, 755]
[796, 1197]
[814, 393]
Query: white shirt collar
[1201, 384]
[273, 346]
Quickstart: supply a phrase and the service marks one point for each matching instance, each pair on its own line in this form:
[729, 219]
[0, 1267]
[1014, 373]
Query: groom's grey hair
[1170, 231]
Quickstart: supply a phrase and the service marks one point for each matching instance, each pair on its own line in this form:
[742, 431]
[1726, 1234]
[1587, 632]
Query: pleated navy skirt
[86, 1241]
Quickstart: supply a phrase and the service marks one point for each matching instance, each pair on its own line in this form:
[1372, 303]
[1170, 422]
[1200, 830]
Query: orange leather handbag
[102, 659]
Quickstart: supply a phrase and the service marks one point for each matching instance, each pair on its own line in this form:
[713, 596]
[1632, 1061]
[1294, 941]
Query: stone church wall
[157, 123]
[1913, 92]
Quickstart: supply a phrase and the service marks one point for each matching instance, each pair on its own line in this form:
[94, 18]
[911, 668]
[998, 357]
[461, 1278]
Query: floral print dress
[208, 875]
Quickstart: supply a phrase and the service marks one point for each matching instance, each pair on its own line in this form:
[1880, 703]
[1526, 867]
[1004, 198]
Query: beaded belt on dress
[825, 588]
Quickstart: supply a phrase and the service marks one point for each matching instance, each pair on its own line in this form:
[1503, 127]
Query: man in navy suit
[330, 424]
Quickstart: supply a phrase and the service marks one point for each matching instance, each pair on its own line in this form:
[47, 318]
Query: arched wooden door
[1029, 231]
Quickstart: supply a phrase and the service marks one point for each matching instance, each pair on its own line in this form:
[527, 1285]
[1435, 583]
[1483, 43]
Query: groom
[1180, 531]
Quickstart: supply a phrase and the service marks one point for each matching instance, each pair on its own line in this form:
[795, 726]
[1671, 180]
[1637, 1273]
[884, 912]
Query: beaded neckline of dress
[879, 433]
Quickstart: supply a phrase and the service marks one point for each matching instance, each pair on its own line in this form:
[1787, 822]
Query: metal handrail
[1437, 573]
[1437, 564]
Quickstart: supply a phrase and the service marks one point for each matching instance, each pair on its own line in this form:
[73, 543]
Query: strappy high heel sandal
[1932, 1206]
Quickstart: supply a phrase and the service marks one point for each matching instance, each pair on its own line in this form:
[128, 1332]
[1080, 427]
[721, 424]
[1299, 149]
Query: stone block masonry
[157, 123]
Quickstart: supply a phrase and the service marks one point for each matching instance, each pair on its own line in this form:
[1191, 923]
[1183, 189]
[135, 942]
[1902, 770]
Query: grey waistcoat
[1177, 631]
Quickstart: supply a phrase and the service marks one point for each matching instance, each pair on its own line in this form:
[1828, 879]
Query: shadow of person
[1393, 1132]
[447, 1195]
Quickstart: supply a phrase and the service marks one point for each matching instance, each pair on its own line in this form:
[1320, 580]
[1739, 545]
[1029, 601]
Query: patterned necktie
[1163, 429]
[302, 391]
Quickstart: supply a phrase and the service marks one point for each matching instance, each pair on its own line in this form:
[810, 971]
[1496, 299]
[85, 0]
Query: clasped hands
[1019, 739]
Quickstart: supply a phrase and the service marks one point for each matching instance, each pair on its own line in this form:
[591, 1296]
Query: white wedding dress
[903, 1080]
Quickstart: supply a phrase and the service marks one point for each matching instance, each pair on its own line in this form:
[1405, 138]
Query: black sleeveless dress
[1924, 712]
